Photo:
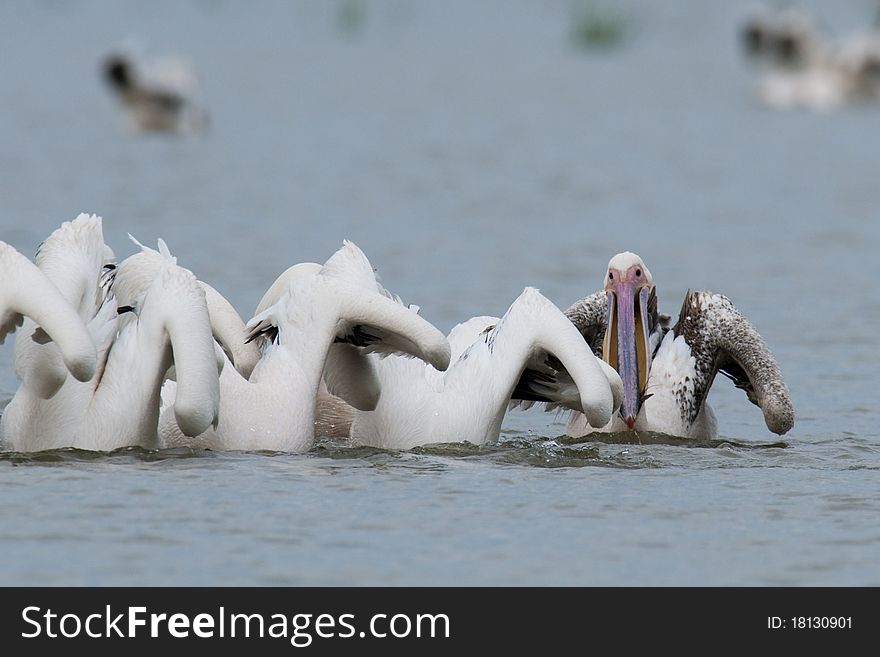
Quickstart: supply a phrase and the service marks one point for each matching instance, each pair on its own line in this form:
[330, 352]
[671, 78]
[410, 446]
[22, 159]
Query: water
[470, 149]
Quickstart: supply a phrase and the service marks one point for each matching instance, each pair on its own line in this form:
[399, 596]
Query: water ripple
[626, 450]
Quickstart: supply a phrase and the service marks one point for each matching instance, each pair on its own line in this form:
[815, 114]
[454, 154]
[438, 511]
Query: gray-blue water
[470, 148]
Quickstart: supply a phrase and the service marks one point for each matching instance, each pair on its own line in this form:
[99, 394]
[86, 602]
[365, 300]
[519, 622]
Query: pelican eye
[611, 276]
[638, 272]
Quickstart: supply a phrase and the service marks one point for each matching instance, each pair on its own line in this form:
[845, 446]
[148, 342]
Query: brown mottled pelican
[667, 372]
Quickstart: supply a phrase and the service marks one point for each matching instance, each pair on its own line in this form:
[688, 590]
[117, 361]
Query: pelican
[315, 320]
[142, 325]
[807, 70]
[849, 74]
[532, 353]
[820, 88]
[804, 72]
[161, 98]
[227, 327]
[27, 295]
[333, 415]
[667, 372]
[785, 39]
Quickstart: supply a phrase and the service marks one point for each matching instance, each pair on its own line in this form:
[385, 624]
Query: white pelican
[73, 260]
[332, 415]
[164, 97]
[28, 295]
[667, 372]
[315, 320]
[227, 326]
[531, 353]
[143, 326]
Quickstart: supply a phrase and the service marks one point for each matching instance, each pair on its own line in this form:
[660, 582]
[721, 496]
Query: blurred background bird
[804, 68]
[159, 96]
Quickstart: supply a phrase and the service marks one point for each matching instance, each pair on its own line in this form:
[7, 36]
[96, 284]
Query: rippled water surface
[470, 149]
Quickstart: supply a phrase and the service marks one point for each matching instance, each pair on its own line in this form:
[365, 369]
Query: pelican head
[628, 286]
[794, 39]
[755, 35]
[118, 73]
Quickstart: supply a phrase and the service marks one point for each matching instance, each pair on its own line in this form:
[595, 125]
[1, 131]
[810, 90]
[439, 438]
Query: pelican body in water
[316, 321]
[532, 353]
[667, 372]
[29, 299]
[142, 325]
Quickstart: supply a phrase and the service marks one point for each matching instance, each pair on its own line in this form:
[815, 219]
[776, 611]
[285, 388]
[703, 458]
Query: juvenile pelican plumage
[667, 372]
